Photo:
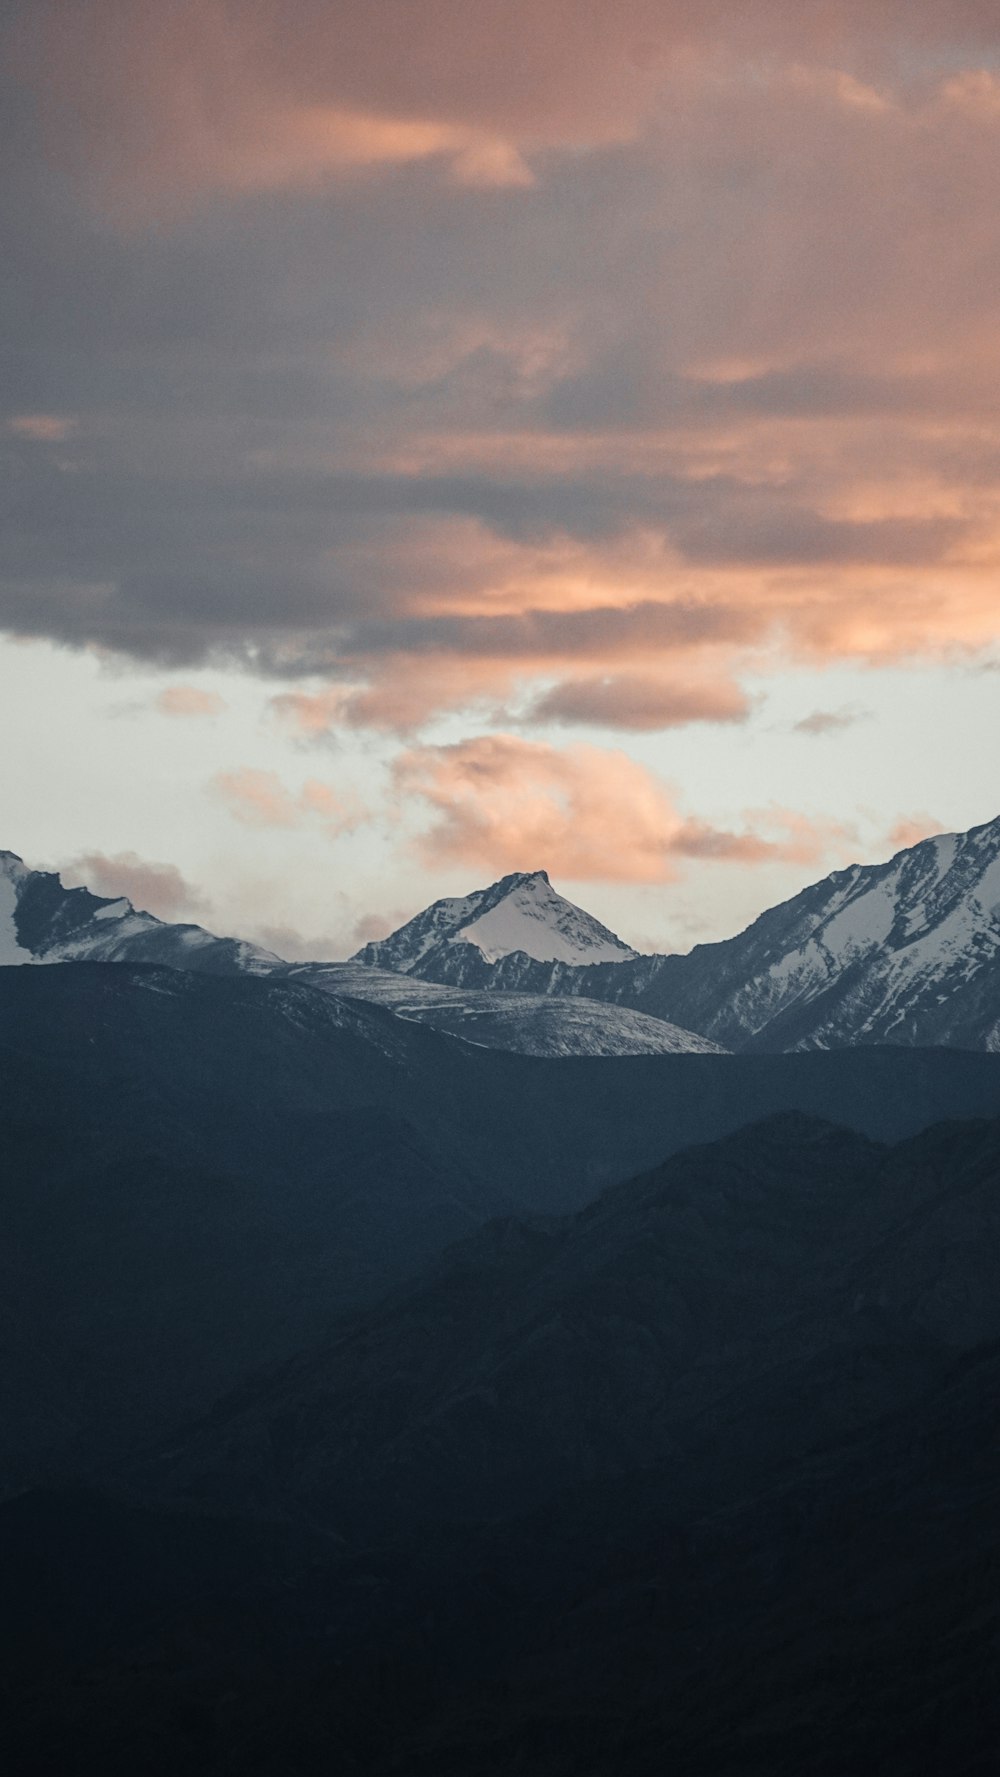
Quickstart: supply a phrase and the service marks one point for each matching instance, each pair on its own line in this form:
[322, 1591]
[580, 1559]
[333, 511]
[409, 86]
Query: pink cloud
[500, 803]
[189, 700]
[261, 799]
[202, 94]
[43, 428]
[911, 829]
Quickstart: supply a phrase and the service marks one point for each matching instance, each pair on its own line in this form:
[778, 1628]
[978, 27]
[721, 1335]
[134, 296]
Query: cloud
[631, 701]
[155, 888]
[293, 947]
[42, 428]
[203, 95]
[189, 700]
[261, 799]
[500, 803]
[911, 829]
[829, 721]
[672, 360]
[373, 926]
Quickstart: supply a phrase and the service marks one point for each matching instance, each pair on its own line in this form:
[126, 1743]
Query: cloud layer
[571, 361]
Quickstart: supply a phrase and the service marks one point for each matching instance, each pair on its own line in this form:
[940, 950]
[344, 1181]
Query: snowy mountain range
[906, 952]
[902, 952]
[43, 922]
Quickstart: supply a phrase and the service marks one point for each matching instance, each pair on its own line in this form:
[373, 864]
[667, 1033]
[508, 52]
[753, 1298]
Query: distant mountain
[486, 938]
[41, 921]
[906, 952]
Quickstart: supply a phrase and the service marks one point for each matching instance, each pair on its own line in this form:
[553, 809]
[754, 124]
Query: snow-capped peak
[521, 915]
[42, 921]
[525, 913]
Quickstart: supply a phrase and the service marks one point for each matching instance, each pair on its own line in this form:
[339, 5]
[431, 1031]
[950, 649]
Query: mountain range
[906, 952]
[43, 922]
[902, 952]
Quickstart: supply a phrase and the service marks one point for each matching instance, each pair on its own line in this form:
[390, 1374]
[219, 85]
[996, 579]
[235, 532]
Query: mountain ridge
[904, 952]
[41, 921]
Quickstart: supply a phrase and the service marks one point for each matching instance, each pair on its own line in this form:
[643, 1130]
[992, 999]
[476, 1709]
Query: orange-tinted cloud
[911, 829]
[634, 701]
[500, 803]
[706, 382]
[223, 94]
[42, 428]
[189, 700]
[261, 799]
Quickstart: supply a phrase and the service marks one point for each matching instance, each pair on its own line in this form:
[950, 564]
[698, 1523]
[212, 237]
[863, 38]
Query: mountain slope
[707, 1474]
[906, 952]
[902, 952]
[527, 1024]
[794, 1260]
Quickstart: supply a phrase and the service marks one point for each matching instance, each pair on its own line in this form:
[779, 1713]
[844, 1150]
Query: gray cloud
[154, 888]
[629, 701]
[830, 721]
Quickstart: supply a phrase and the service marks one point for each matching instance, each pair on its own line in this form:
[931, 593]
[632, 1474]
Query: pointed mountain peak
[521, 914]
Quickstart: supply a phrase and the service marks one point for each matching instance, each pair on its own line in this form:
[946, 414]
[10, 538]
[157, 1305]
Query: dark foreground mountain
[199, 1173]
[704, 1479]
[906, 952]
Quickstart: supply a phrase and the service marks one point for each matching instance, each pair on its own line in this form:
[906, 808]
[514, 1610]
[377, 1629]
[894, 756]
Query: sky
[449, 437]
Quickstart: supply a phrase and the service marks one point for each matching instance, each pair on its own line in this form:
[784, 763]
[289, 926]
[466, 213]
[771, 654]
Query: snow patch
[864, 923]
[533, 919]
[11, 949]
[114, 910]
